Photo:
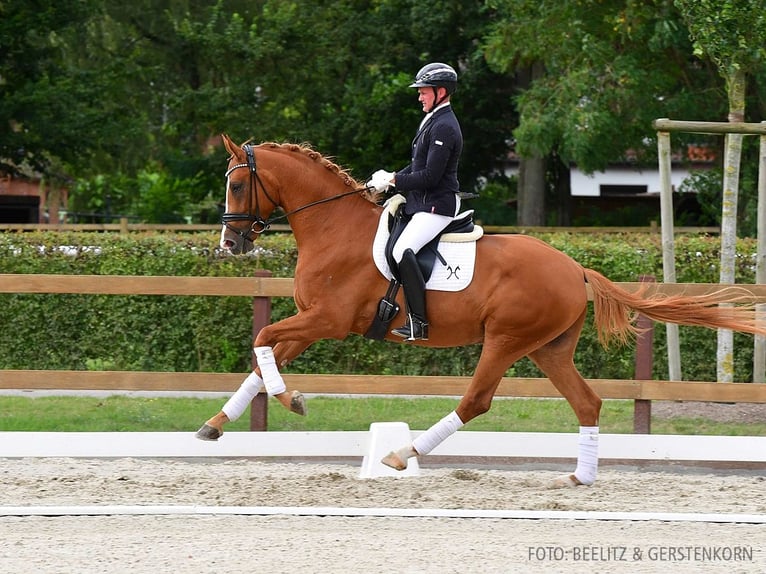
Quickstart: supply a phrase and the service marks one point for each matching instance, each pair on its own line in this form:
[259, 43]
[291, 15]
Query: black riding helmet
[436, 75]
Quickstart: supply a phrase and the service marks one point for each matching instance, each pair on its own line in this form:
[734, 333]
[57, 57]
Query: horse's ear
[233, 148]
[228, 144]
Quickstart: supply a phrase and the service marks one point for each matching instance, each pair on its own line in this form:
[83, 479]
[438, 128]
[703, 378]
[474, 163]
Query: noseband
[257, 224]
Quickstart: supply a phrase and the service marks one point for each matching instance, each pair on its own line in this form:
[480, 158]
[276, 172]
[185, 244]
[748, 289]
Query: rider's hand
[381, 180]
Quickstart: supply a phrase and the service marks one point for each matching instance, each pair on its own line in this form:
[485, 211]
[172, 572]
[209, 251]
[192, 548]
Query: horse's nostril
[228, 245]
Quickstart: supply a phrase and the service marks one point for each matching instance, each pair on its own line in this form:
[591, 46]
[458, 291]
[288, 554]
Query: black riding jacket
[431, 178]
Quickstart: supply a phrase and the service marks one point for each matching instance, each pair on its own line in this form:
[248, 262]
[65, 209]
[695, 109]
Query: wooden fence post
[259, 419]
[642, 409]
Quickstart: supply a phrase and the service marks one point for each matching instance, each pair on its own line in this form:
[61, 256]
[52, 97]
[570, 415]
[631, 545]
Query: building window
[623, 189]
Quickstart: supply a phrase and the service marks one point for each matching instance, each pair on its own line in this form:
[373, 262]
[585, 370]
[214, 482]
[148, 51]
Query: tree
[334, 74]
[732, 33]
[610, 68]
[42, 100]
[353, 102]
[118, 88]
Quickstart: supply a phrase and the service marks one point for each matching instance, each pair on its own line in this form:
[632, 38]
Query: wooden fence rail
[338, 384]
[269, 286]
[262, 288]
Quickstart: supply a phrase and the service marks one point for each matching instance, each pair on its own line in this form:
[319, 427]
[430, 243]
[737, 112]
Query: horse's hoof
[207, 432]
[298, 404]
[393, 460]
[566, 481]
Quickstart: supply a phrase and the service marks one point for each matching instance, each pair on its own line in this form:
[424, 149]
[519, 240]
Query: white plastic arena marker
[385, 437]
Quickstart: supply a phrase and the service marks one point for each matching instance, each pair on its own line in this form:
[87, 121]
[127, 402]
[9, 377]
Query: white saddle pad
[457, 249]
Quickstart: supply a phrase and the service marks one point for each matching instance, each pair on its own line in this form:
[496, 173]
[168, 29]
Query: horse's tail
[616, 309]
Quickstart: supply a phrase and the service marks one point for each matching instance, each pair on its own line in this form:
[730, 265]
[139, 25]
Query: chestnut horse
[526, 298]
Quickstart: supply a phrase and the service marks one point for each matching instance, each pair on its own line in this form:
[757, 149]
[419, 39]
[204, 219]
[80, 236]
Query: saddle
[460, 229]
[462, 223]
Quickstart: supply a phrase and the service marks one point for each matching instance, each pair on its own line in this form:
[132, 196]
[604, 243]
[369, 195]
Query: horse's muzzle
[235, 243]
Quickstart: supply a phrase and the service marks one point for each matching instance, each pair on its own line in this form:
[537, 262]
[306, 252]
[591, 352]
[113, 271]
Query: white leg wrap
[240, 400]
[272, 380]
[434, 436]
[587, 456]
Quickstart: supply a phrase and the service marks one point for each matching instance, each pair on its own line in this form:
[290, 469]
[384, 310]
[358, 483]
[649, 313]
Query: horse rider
[431, 184]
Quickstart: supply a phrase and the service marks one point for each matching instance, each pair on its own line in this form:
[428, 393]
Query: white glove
[381, 180]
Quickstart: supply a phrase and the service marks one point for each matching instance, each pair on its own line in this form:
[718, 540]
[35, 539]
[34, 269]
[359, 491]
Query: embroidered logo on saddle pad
[458, 250]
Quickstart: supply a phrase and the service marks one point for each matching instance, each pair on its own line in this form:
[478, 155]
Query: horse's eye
[236, 187]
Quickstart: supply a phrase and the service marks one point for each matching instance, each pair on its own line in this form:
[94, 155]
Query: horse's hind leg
[556, 360]
[495, 360]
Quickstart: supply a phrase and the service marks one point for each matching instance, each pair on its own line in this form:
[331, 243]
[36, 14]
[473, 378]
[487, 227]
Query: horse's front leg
[275, 346]
[255, 382]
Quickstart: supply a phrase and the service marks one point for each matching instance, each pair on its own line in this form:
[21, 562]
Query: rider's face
[426, 97]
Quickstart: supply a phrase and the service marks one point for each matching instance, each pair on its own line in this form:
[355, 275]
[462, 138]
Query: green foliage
[493, 205]
[708, 187]
[153, 195]
[135, 93]
[163, 333]
[103, 194]
[598, 76]
[730, 32]
[163, 198]
[70, 97]
[143, 89]
[129, 332]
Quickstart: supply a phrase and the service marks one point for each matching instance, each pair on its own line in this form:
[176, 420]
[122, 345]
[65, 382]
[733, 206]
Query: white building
[623, 180]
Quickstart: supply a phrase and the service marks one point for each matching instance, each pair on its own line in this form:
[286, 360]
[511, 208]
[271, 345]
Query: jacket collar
[430, 114]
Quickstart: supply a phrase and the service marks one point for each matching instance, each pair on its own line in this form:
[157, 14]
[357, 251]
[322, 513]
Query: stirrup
[413, 330]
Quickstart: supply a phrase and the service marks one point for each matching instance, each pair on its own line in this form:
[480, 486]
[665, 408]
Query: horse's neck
[326, 216]
[338, 224]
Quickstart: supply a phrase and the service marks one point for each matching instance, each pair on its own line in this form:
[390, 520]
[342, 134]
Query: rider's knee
[399, 252]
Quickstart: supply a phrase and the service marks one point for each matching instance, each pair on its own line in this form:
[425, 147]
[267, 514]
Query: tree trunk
[736, 83]
[563, 186]
[531, 191]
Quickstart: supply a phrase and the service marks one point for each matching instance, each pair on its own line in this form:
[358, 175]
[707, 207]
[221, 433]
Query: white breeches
[421, 229]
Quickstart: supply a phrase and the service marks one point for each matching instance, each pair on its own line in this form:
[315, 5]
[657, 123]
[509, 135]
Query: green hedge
[162, 333]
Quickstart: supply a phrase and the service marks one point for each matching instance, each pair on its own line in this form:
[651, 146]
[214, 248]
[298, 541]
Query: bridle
[257, 223]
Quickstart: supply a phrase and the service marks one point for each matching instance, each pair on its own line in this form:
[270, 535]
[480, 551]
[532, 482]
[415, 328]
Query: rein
[258, 224]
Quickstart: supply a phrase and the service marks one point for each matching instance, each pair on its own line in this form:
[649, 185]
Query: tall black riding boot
[416, 327]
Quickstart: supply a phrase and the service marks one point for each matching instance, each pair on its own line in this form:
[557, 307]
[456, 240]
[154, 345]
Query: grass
[131, 414]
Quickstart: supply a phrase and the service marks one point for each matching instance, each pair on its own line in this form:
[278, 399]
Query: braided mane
[327, 163]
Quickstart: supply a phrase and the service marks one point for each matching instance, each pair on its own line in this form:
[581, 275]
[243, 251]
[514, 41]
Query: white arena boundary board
[324, 511]
[352, 444]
